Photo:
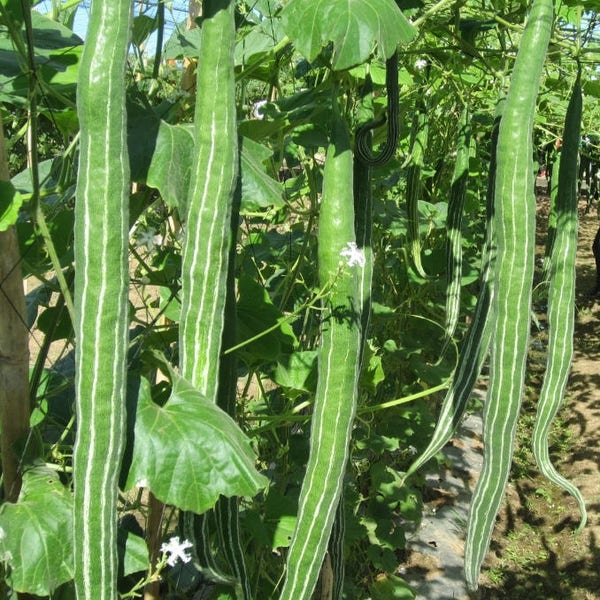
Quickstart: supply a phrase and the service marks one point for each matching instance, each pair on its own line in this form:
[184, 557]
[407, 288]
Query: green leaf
[592, 88]
[13, 9]
[355, 27]
[257, 314]
[57, 53]
[143, 26]
[170, 305]
[258, 189]
[183, 44]
[10, 203]
[372, 373]
[189, 451]
[258, 44]
[35, 534]
[391, 587]
[297, 371]
[55, 323]
[590, 5]
[170, 167]
[133, 553]
[284, 531]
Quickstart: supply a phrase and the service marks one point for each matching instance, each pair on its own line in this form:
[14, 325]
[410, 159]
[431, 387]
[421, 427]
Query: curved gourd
[561, 299]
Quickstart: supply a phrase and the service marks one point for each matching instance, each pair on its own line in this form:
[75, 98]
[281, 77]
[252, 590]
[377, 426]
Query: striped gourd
[362, 140]
[363, 221]
[561, 298]
[477, 339]
[458, 192]
[101, 282]
[419, 138]
[363, 195]
[214, 174]
[551, 217]
[363, 224]
[515, 207]
[338, 369]
[206, 259]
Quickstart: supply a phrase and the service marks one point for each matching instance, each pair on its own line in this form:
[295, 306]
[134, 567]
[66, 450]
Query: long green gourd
[477, 339]
[101, 283]
[515, 207]
[206, 247]
[338, 370]
[561, 298]
[419, 138]
[363, 221]
[458, 193]
[363, 224]
[206, 258]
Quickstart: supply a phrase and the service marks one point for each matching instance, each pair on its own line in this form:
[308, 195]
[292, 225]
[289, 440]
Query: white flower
[176, 551]
[353, 255]
[257, 109]
[420, 64]
[148, 238]
[412, 450]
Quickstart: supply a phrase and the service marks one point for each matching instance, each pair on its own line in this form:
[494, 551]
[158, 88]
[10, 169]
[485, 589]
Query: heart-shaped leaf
[35, 534]
[189, 451]
[355, 27]
[258, 189]
[170, 169]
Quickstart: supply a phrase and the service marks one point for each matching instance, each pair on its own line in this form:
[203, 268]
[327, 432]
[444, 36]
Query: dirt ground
[534, 553]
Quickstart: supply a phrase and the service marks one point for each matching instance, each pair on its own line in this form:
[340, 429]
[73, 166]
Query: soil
[534, 553]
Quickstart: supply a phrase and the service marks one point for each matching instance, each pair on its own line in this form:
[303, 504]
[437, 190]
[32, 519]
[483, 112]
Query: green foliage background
[288, 58]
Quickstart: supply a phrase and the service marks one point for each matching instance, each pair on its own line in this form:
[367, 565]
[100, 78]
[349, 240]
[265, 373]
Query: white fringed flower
[354, 255]
[176, 551]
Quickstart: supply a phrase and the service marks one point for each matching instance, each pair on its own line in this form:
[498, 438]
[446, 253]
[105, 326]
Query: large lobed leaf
[159, 153]
[355, 27]
[189, 451]
[35, 534]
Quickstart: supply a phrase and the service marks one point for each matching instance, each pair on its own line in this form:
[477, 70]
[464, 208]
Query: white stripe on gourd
[338, 369]
[458, 192]
[561, 299]
[101, 282]
[419, 139]
[515, 208]
[477, 339]
[206, 256]
[214, 175]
